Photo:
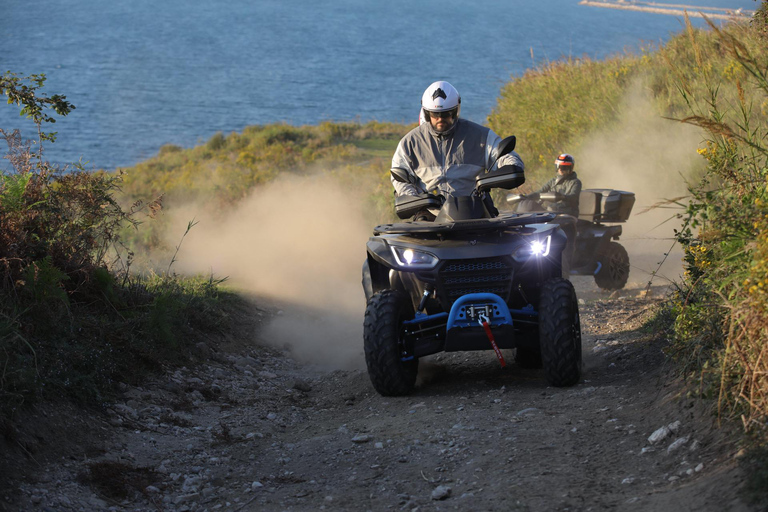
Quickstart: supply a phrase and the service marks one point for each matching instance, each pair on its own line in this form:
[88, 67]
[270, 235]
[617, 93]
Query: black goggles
[441, 115]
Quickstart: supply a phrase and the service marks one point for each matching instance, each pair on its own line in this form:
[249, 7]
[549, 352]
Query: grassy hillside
[717, 80]
[226, 168]
[558, 105]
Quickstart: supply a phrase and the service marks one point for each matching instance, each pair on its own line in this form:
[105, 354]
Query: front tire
[560, 332]
[614, 273]
[382, 335]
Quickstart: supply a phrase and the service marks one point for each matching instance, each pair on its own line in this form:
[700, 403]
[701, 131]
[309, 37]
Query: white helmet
[441, 97]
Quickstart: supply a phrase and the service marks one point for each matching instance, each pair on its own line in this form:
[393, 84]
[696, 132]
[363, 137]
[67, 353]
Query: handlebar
[546, 196]
[551, 196]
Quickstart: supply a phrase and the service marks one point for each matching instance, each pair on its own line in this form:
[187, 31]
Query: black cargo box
[408, 206]
[605, 205]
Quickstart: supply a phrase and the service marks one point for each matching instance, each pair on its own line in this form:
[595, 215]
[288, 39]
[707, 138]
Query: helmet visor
[444, 115]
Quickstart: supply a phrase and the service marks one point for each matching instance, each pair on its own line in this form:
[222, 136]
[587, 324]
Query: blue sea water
[144, 73]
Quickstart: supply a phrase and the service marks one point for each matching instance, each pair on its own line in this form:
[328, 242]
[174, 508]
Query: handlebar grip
[549, 196]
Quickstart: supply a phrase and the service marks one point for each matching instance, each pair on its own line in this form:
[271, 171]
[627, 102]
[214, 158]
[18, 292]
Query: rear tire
[560, 332]
[382, 335]
[614, 273]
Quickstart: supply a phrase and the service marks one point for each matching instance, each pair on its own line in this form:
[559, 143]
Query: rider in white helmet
[445, 153]
[441, 105]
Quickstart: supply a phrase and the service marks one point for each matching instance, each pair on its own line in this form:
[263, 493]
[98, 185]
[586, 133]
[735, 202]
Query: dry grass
[726, 237]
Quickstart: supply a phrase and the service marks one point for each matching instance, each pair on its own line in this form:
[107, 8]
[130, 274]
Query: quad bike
[468, 281]
[595, 252]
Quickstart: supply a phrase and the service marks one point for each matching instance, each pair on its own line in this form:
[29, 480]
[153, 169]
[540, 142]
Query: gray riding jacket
[570, 188]
[447, 163]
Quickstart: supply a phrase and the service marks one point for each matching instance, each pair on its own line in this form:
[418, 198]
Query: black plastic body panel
[408, 206]
[591, 241]
[506, 177]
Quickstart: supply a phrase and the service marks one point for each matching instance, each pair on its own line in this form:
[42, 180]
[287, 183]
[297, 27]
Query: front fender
[375, 277]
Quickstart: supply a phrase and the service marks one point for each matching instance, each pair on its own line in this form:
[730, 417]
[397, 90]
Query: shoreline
[671, 9]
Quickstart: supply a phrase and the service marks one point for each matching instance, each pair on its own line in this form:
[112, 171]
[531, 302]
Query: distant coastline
[717, 13]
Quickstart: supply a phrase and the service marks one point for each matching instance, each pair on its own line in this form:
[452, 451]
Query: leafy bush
[721, 327]
[73, 320]
[216, 142]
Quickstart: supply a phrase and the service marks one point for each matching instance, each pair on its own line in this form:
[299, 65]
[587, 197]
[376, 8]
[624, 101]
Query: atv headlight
[407, 257]
[541, 247]
[536, 248]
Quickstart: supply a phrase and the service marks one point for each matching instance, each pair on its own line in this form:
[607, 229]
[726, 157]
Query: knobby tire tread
[384, 313]
[615, 271]
[560, 333]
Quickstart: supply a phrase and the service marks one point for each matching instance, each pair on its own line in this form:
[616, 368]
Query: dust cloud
[654, 158]
[299, 243]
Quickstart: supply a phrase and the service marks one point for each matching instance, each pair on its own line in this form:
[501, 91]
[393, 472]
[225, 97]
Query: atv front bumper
[461, 329]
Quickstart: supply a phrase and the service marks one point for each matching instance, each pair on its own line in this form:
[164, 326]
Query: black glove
[535, 196]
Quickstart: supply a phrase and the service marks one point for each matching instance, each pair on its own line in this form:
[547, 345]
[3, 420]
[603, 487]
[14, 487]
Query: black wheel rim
[617, 268]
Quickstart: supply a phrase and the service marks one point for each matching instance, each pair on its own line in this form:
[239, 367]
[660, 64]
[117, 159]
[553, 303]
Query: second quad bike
[596, 251]
[468, 281]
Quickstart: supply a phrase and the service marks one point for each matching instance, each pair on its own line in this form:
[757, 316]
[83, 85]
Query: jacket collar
[567, 177]
[443, 135]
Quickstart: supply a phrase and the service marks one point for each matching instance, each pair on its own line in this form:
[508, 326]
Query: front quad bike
[595, 251]
[468, 281]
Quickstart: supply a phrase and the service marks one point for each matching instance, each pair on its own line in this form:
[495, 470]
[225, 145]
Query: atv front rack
[504, 220]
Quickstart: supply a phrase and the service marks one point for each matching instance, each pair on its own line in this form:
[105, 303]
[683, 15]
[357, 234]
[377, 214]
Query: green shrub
[167, 149]
[216, 142]
[721, 327]
[73, 319]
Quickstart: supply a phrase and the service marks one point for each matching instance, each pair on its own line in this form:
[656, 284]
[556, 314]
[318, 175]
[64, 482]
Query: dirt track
[254, 430]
